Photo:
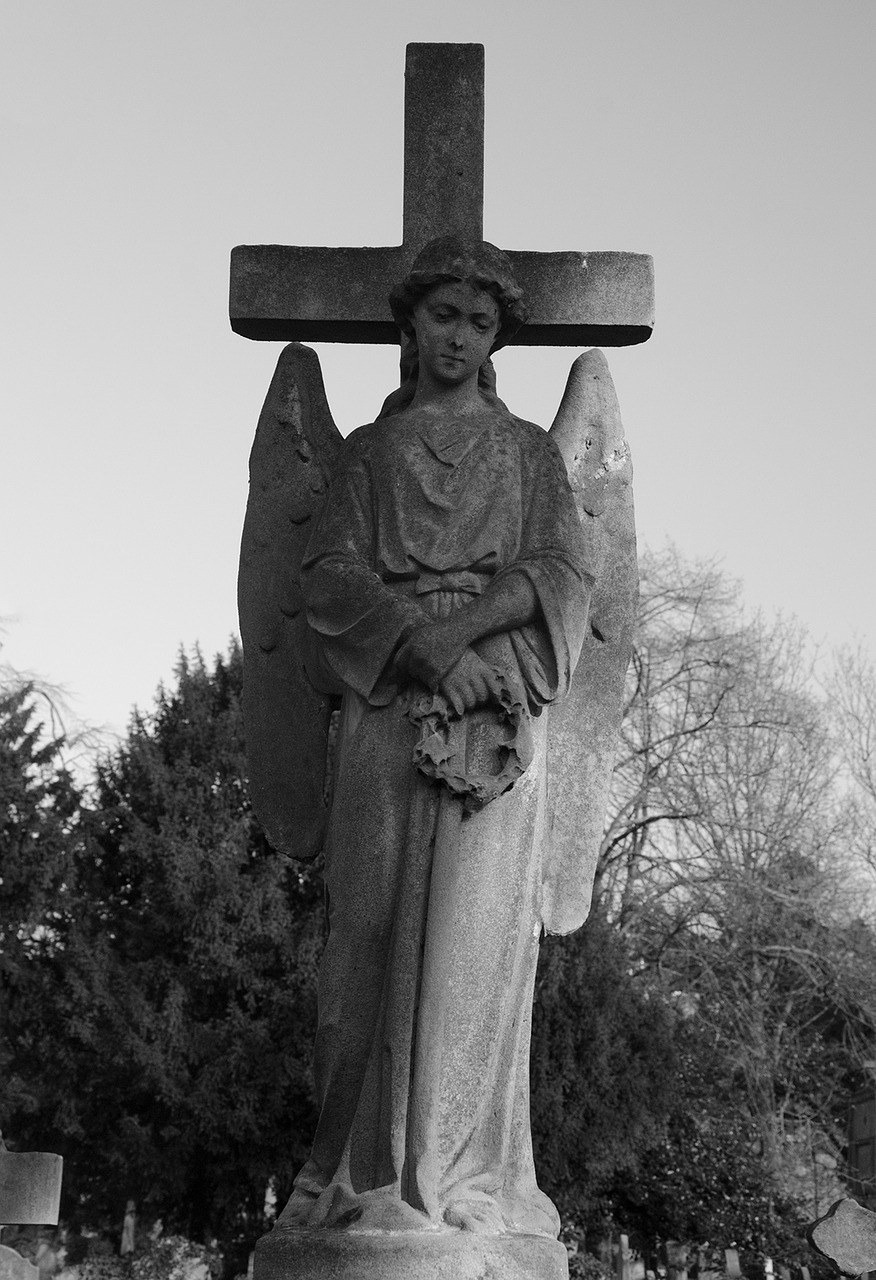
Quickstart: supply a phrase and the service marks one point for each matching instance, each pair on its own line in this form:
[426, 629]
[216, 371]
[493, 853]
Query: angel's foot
[481, 1216]
[380, 1212]
[297, 1211]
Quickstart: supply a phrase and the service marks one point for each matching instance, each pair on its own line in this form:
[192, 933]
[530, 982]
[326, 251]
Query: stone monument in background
[460, 586]
[30, 1195]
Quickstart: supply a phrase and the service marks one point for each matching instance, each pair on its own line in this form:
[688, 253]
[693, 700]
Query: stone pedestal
[407, 1255]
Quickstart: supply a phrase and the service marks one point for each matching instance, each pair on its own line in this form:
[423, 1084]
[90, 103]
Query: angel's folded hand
[430, 651]
[470, 683]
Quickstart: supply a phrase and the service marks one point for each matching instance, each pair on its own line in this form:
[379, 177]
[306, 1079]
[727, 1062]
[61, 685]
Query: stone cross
[285, 293]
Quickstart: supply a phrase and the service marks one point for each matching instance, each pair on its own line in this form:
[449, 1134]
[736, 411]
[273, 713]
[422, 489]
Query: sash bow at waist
[459, 580]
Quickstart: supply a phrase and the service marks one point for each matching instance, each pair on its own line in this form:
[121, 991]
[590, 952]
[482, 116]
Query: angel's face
[456, 324]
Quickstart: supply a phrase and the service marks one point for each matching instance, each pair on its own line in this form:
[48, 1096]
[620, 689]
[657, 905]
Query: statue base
[407, 1255]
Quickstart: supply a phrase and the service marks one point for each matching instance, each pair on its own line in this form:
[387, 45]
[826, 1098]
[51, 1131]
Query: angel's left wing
[584, 728]
[286, 720]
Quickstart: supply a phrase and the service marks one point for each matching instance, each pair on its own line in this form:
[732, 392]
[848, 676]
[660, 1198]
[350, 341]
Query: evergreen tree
[602, 1067]
[39, 806]
[185, 1010]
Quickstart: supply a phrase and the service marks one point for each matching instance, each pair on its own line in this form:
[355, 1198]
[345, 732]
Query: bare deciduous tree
[729, 862]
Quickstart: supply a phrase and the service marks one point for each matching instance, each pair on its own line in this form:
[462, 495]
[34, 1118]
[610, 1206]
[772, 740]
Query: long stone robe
[425, 989]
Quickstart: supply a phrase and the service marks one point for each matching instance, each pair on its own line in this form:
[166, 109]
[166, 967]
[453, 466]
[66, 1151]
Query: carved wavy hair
[452, 259]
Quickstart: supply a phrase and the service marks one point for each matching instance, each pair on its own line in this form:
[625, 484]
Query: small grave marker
[14, 1267]
[846, 1236]
[676, 1260]
[624, 1259]
[30, 1194]
[30, 1187]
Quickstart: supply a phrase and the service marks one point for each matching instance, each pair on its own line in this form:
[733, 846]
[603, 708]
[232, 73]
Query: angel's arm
[360, 621]
[544, 594]
[433, 648]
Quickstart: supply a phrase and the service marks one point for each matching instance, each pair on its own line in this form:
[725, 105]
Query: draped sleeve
[554, 557]
[359, 620]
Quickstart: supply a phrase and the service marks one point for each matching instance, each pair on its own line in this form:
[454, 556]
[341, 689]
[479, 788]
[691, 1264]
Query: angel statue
[438, 575]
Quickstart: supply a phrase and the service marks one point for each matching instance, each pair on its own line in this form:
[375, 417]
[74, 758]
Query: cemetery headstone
[129, 1229]
[624, 1259]
[14, 1267]
[676, 1260]
[846, 1236]
[30, 1187]
[30, 1194]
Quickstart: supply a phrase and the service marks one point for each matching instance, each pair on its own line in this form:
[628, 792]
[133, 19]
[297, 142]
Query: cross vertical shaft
[444, 142]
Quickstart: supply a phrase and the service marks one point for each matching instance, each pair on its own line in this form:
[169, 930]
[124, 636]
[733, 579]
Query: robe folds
[425, 988]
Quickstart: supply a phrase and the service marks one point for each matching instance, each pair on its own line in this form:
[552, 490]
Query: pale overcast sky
[140, 142]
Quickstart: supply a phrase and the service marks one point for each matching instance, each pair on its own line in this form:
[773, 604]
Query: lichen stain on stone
[288, 412]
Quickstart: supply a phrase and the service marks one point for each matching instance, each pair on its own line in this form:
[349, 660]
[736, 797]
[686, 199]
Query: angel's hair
[450, 259]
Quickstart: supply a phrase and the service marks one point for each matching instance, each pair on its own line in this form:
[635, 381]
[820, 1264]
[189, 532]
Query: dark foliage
[177, 1020]
[602, 1065]
[39, 835]
[705, 1180]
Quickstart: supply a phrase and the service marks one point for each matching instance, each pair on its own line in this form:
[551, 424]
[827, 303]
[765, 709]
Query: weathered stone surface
[286, 720]
[846, 1236]
[439, 1255]
[30, 1187]
[282, 293]
[436, 905]
[601, 299]
[585, 725]
[444, 149]
[14, 1267]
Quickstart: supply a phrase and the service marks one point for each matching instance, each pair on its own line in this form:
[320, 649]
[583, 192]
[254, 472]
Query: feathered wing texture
[583, 733]
[286, 721]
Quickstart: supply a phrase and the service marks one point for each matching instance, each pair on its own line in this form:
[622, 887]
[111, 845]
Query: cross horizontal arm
[289, 294]
[281, 293]
[603, 299]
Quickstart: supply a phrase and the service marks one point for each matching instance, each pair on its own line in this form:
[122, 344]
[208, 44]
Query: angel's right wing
[286, 720]
[584, 728]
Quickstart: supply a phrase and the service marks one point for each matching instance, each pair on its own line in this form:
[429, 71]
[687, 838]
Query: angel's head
[471, 270]
[457, 259]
